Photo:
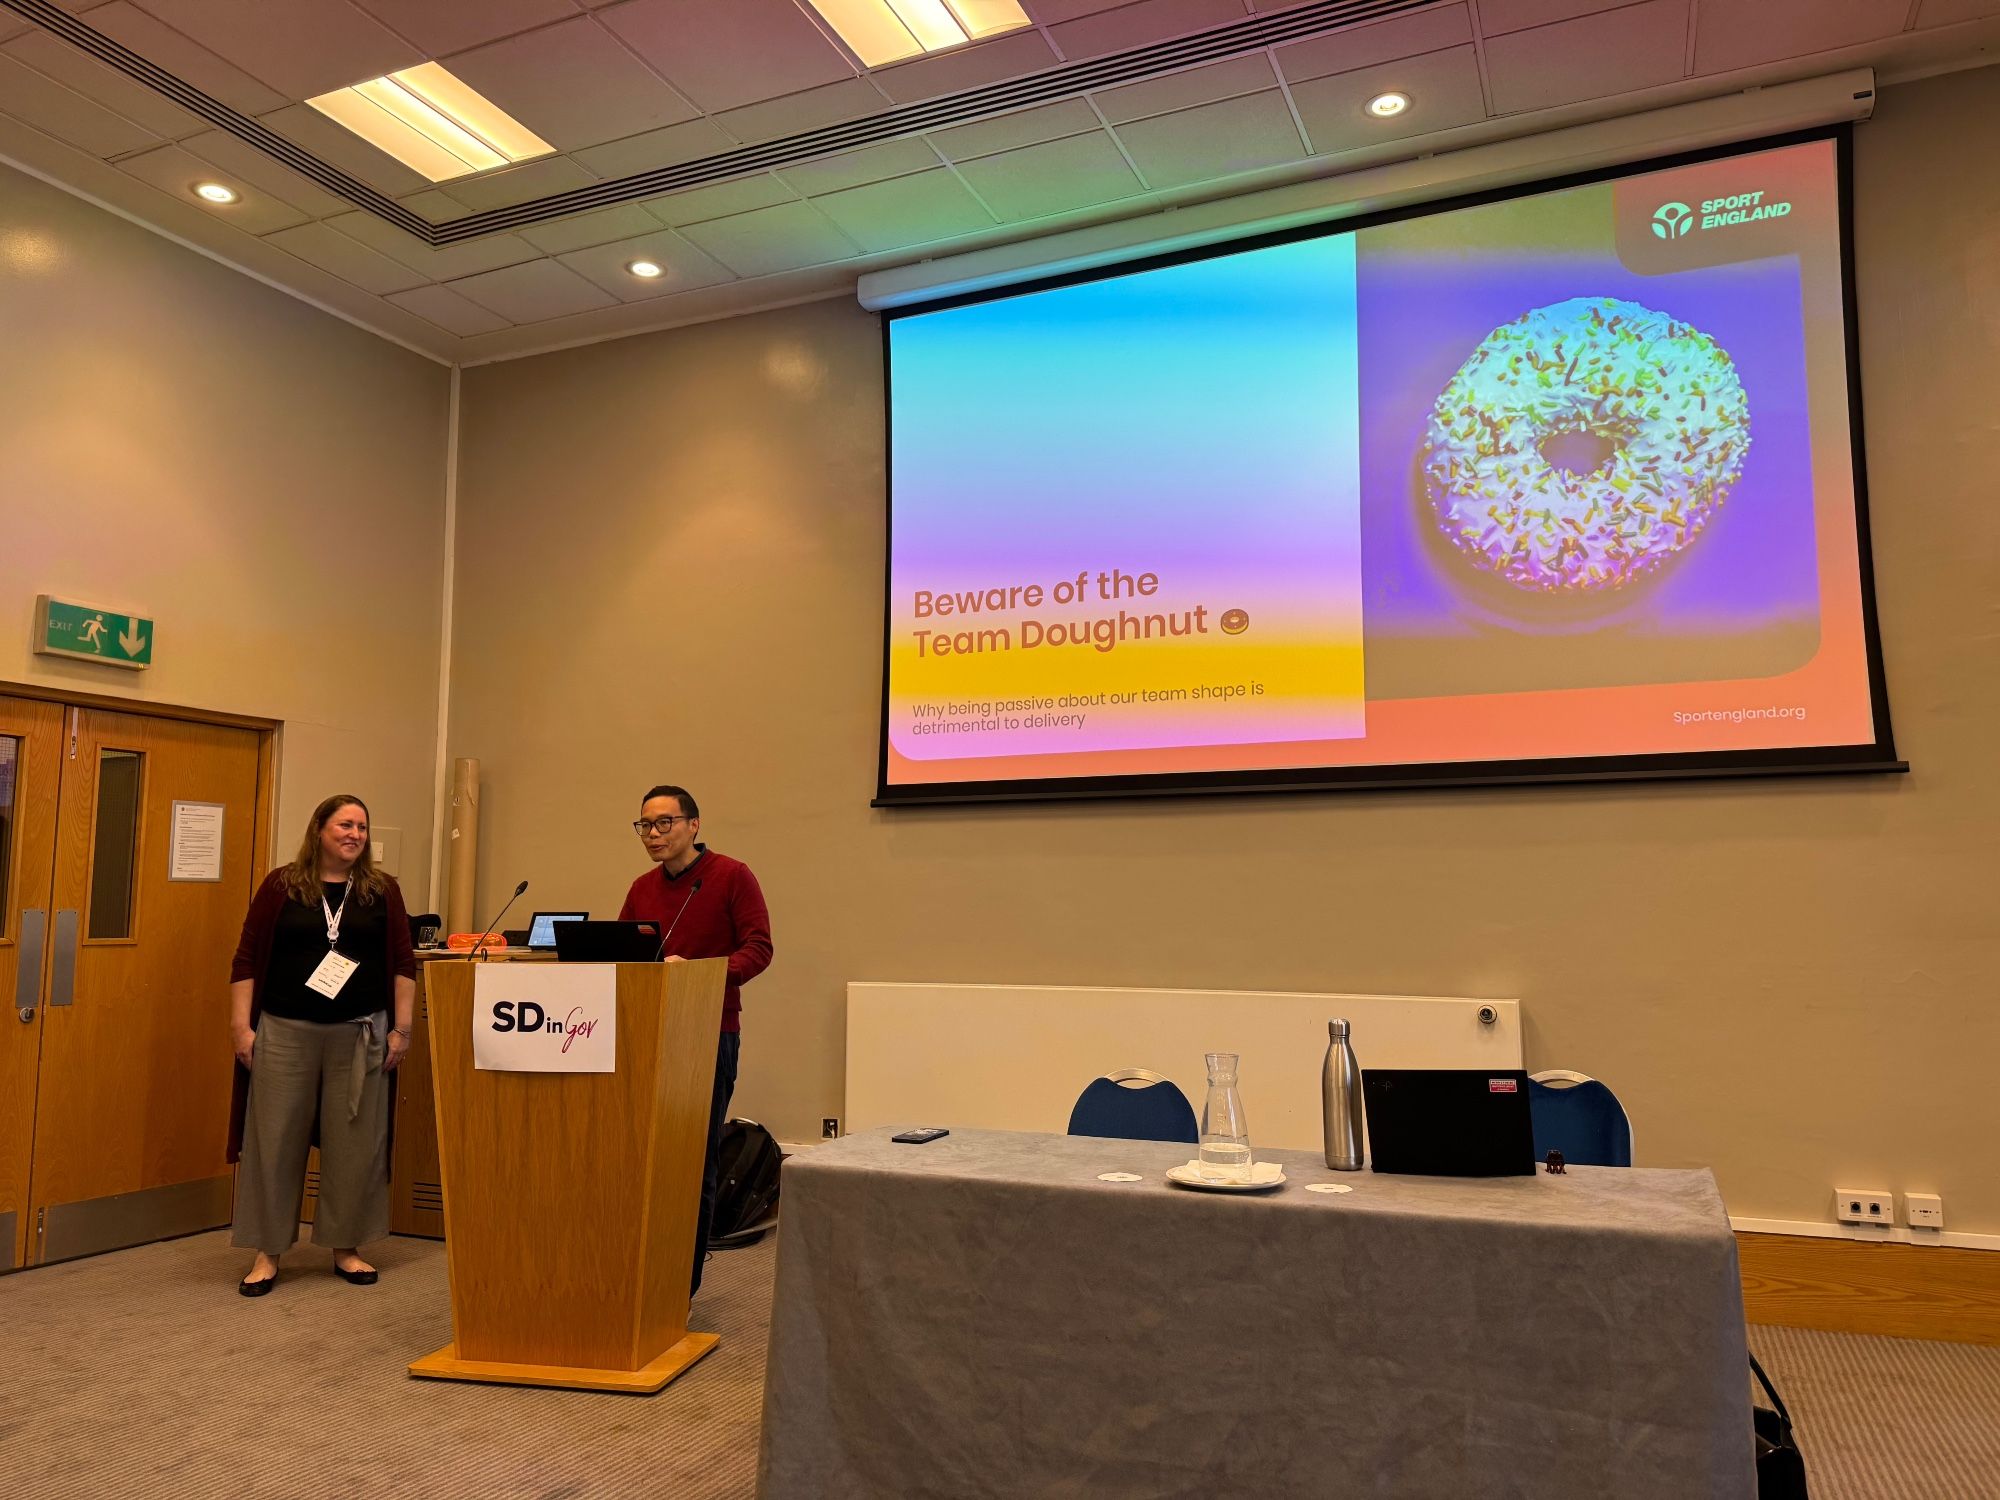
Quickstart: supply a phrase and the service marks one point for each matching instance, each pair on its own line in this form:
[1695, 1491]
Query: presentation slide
[1566, 477]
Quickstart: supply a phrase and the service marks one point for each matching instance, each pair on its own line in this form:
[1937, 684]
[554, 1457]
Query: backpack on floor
[746, 1188]
[1781, 1468]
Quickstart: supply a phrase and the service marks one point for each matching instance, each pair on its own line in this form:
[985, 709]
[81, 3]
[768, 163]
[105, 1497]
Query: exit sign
[91, 634]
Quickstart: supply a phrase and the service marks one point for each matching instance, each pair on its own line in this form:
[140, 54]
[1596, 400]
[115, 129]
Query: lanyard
[333, 917]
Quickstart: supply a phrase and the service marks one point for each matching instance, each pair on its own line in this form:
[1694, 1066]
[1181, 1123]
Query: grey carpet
[144, 1373]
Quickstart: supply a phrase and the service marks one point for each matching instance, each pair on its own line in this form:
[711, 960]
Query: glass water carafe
[1225, 1137]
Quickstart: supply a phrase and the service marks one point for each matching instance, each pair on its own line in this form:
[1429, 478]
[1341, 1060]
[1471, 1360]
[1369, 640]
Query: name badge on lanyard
[336, 968]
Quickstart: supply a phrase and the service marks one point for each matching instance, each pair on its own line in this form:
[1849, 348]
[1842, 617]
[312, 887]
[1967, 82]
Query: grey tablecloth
[982, 1316]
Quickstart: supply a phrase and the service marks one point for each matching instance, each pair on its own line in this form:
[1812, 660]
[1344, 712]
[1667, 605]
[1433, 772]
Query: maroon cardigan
[253, 958]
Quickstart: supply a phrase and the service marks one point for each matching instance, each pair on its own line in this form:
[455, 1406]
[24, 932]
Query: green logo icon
[1672, 220]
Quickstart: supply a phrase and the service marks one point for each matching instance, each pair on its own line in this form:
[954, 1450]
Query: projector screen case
[1555, 483]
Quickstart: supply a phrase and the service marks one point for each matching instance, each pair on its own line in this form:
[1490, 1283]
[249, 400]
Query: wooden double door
[127, 855]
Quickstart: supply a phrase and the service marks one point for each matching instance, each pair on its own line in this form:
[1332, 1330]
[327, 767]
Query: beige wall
[670, 567]
[263, 480]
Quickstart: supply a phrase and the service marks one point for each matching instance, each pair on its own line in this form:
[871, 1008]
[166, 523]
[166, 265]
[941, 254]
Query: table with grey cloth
[982, 1316]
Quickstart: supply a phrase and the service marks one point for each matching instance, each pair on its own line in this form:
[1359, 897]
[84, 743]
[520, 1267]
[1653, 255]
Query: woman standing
[325, 956]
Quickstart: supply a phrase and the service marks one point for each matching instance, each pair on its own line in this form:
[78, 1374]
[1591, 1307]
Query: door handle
[62, 970]
[28, 970]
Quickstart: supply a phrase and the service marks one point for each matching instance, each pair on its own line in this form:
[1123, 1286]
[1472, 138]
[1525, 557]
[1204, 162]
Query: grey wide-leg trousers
[302, 1071]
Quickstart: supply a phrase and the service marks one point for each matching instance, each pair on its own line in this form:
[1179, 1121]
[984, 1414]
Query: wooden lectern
[572, 1196]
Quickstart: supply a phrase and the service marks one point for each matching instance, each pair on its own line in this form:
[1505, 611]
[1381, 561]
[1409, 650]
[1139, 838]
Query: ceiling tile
[1049, 12]
[148, 108]
[451, 312]
[160, 44]
[1497, 17]
[1590, 58]
[506, 186]
[769, 240]
[1443, 89]
[572, 84]
[298, 47]
[1736, 35]
[687, 268]
[655, 149]
[445, 26]
[443, 263]
[66, 114]
[1948, 12]
[720, 200]
[1135, 25]
[307, 127]
[1216, 140]
[173, 170]
[533, 293]
[851, 169]
[1027, 127]
[722, 56]
[348, 259]
[991, 61]
[1364, 46]
[243, 160]
[827, 105]
[1160, 96]
[906, 211]
[1052, 178]
[601, 228]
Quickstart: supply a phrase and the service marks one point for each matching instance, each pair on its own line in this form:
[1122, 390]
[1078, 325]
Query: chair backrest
[1134, 1105]
[1575, 1114]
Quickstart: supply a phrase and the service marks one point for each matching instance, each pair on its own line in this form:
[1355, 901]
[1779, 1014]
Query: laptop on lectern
[589, 942]
[1449, 1122]
[542, 931]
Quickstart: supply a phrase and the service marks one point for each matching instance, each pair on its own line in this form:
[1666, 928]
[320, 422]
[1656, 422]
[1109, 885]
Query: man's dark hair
[680, 793]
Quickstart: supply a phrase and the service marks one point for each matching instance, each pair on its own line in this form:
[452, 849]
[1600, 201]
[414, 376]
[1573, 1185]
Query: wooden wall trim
[51, 692]
[1848, 1286]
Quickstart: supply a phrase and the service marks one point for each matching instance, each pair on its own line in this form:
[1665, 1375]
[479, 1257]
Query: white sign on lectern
[545, 1018]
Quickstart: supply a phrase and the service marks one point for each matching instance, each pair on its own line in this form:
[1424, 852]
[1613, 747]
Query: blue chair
[1575, 1114]
[1134, 1105]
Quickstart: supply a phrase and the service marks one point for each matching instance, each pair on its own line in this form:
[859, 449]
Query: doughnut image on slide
[1584, 445]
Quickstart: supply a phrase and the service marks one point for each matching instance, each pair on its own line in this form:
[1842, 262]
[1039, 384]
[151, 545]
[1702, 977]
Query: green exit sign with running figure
[91, 634]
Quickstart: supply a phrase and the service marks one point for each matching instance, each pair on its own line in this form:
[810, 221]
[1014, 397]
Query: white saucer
[1264, 1176]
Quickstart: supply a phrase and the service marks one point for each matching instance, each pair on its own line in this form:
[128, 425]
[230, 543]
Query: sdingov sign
[545, 1018]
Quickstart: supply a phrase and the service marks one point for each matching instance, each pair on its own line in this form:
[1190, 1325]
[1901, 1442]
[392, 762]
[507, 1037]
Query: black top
[299, 943]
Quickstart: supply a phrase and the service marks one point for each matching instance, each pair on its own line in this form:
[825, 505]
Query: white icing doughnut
[1663, 395]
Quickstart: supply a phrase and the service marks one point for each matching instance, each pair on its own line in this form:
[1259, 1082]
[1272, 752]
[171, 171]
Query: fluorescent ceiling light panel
[432, 123]
[886, 31]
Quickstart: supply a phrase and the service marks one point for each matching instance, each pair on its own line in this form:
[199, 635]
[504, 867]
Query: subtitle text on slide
[1064, 711]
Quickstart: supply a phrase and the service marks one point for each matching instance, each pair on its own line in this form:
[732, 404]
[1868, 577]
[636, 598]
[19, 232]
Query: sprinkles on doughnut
[1662, 394]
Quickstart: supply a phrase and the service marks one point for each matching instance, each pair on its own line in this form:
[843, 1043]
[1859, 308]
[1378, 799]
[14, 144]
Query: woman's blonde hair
[302, 874]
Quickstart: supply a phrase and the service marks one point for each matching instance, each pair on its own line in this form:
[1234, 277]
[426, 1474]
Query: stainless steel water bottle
[1340, 1100]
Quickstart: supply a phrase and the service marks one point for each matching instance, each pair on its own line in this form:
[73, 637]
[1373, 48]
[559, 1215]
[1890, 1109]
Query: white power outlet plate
[1864, 1206]
[1923, 1210]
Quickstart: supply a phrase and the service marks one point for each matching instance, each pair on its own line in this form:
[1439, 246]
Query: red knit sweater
[726, 918]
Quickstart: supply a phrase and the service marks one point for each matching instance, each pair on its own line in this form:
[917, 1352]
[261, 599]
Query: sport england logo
[1672, 220]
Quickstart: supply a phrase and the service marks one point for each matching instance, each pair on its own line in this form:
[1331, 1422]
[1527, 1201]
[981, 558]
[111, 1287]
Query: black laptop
[607, 942]
[1449, 1122]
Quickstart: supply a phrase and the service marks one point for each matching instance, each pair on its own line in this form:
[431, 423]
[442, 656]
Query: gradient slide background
[1196, 423]
[1252, 428]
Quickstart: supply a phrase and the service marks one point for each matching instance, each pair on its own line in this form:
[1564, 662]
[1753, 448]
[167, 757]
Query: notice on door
[195, 850]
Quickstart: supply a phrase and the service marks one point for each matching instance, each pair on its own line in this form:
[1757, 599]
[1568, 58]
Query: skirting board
[1903, 1291]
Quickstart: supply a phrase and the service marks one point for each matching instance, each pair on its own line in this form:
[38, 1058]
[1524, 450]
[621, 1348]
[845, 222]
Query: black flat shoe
[257, 1288]
[356, 1278]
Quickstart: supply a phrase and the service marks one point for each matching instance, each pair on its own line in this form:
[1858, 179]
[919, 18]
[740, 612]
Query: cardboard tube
[464, 837]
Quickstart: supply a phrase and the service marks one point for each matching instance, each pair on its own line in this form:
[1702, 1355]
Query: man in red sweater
[709, 906]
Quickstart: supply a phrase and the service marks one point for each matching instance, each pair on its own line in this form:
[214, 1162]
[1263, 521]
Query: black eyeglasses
[660, 825]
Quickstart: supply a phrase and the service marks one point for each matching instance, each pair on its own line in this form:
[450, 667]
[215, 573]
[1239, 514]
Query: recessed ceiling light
[1382, 106]
[646, 268]
[432, 123]
[215, 192]
[886, 31]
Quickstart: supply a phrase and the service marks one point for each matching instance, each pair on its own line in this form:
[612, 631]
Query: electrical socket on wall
[829, 1128]
[1864, 1206]
[1923, 1210]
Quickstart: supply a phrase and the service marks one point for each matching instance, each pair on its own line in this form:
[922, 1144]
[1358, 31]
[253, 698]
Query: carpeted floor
[144, 1373]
